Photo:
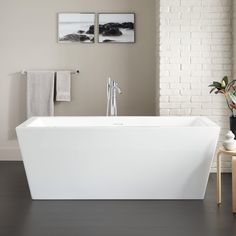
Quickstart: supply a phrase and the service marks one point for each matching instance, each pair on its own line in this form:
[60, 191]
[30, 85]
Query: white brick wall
[194, 48]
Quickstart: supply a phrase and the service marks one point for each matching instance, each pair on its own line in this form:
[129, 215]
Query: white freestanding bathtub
[117, 157]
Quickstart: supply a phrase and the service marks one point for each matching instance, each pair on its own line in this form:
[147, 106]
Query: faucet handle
[118, 88]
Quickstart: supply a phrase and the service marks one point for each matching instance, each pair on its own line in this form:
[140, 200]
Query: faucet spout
[112, 89]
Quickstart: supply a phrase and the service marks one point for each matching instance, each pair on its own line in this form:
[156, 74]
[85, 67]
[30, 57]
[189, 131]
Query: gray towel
[63, 80]
[40, 93]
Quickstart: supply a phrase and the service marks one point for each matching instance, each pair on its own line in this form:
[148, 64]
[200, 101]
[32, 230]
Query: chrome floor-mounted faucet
[112, 89]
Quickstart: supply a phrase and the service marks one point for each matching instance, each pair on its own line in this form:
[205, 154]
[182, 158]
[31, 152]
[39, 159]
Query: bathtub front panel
[118, 162]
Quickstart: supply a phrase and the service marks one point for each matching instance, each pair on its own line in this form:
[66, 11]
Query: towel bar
[24, 72]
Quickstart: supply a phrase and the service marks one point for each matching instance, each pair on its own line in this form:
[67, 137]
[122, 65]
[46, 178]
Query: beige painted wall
[29, 41]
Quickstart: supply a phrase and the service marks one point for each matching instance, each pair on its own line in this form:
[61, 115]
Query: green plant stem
[227, 101]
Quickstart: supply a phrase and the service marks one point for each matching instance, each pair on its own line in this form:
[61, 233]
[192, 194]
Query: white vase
[229, 143]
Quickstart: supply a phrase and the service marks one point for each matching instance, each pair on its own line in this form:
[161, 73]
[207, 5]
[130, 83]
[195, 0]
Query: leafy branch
[227, 89]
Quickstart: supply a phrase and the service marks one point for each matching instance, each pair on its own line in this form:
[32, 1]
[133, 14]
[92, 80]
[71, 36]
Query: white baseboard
[10, 154]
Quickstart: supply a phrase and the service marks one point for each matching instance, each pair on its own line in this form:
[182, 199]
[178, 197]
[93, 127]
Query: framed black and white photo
[116, 27]
[76, 27]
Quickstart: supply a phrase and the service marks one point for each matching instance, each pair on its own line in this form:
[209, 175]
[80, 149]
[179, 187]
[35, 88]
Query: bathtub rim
[208, 123]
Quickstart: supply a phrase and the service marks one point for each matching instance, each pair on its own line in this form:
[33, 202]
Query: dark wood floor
[19, 216]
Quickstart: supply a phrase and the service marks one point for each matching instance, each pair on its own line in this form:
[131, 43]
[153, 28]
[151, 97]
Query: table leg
[218, 181]
[234, 183]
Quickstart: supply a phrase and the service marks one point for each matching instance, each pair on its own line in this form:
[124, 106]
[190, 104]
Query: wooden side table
[218, 182]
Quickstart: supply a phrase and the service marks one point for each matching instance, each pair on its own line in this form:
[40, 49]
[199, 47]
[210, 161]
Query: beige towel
[63, 87]
[40, 93]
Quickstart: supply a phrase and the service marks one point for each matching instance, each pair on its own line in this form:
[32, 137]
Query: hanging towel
[40, 93]
[63, 87]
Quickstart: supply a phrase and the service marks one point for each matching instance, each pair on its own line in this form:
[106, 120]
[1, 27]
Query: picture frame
[116, 27]
[76, 27]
